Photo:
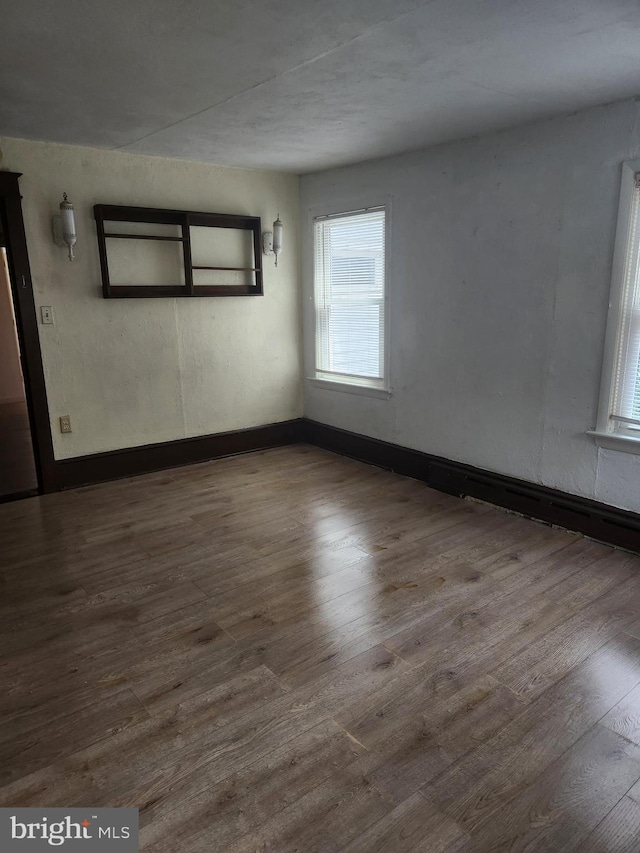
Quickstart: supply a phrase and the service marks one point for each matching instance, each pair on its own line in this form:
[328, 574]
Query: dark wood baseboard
[18, 496]
[597, 520]
[116, 464]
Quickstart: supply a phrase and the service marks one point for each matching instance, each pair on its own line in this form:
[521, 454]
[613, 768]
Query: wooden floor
[292, 651]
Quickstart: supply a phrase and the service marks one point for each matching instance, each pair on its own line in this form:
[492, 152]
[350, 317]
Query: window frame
[350, 384]
[607, 433]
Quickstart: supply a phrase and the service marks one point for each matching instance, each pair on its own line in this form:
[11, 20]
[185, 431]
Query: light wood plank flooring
[292, 651]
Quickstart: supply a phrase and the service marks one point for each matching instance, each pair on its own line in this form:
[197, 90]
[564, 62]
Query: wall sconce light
[64, 226]
[272, 240]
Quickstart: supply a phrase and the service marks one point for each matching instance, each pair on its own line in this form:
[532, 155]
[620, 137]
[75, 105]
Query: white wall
[500, 255]
[138, 371]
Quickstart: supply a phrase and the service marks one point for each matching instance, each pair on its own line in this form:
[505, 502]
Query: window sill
[612, 441]
[350, 388]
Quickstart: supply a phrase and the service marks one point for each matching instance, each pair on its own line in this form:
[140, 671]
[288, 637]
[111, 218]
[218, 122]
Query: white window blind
[625, 408]
[350, 297]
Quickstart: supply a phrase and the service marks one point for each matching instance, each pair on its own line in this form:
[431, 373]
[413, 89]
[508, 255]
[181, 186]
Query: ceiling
[301, 85]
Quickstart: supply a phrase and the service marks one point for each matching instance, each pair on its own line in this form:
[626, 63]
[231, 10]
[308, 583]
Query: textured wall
[500, 256]
[138, 371]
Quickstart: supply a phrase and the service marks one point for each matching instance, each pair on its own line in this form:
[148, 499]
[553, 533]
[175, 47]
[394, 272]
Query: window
[350, 307]
[619, 410]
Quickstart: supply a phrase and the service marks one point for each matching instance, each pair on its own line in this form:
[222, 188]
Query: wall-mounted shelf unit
[226, 247]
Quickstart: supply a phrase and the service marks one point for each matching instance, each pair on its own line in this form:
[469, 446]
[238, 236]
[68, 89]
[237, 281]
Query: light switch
[46, 314]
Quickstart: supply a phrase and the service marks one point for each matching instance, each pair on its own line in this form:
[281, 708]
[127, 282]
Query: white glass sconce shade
[68, 224]
[277, 238]
[272, 240]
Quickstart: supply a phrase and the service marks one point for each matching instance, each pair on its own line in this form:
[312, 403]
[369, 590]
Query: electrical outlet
[46, 315]
[65, 423]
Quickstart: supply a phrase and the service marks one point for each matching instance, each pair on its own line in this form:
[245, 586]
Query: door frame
[27, 327]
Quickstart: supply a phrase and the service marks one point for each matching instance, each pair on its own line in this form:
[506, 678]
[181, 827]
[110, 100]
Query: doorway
[27, 466]
[18, 475]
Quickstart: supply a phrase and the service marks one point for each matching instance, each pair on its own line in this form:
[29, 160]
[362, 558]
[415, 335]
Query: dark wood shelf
[234, 269]
[146, 237]
[183, 219]
[145, 291]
